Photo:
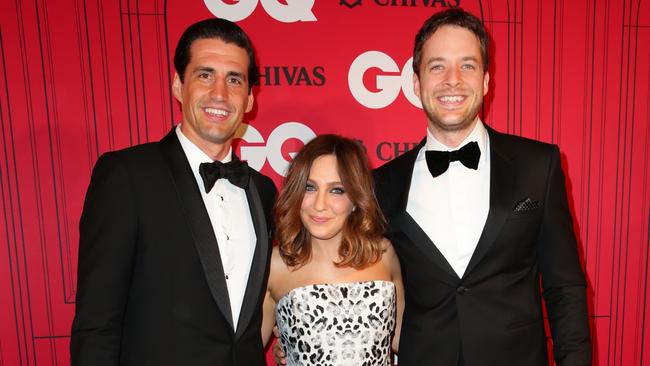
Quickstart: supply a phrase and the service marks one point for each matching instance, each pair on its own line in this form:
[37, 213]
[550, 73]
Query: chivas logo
[292, 75]
[350, 3]
[414, 3]
[387, 150]
[411, 3]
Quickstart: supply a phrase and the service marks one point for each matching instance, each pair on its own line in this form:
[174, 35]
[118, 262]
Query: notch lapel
[198, 221]
[419, 238]
[397, 182]
[502, 180]
[400, 175]
[259, 265]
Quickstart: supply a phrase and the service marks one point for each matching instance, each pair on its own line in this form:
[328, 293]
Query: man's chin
[218, 138]
[452, 125]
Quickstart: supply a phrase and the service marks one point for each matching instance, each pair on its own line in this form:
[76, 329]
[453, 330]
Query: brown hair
[454, 17]
[364, 228]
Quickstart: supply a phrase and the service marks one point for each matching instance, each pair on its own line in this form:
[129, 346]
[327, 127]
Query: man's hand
[278, 354]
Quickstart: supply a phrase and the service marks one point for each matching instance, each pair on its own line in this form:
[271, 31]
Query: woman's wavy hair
[363, 231]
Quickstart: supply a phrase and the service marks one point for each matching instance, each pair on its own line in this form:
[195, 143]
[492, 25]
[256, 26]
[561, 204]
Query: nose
[320, 203]
[452, 77]
[218, 90]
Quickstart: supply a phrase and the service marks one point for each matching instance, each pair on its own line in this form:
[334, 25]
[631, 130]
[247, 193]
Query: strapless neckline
[334, 284]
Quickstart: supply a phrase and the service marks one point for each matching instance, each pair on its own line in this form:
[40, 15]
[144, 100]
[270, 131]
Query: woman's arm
[270, 301]
[268, 317]
[392, 261]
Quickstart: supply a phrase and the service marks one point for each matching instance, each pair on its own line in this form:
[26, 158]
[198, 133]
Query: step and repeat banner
[80, 78]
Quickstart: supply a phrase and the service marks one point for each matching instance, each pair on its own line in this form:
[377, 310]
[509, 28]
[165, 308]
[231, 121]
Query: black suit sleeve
[563, 281]
[107, 244]
[268, 194]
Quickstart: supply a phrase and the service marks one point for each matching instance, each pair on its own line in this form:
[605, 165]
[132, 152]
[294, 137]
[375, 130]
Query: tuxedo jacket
[493, 314]
[151, 288]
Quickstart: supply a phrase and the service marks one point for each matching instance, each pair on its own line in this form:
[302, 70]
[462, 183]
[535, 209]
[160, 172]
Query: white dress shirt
[452, 208]
[233, 227]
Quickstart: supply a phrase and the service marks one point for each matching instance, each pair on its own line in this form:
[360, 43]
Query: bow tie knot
[438, 161]
[236, 171]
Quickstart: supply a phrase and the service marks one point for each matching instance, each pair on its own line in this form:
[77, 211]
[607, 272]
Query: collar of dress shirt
[478, 134]
[194, 154]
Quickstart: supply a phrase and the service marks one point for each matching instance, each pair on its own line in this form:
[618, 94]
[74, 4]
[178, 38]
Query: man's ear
[177, 86]
[486, 82]
[416, 85]
[251, 101]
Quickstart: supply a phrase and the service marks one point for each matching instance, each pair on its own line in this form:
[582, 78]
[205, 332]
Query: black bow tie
[236, 171]
[438, 161]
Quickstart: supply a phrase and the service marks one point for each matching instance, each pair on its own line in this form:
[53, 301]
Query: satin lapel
[401, 221]
[258, 267]
[405, 223]
[403, 174]
[502, 179]
[198, 221]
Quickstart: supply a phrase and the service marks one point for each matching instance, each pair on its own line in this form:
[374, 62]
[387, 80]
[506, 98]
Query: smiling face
[325, 205]
[214, 95]
[451, 82]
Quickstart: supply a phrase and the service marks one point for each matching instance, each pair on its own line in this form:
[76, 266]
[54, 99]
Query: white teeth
[451, 98]
[216, 112]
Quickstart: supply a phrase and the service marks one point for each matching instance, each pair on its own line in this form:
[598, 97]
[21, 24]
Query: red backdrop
[81, 78]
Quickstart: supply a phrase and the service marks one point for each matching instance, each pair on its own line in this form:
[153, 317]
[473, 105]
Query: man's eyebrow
[204, 69]
[435, 59]
[466, 58]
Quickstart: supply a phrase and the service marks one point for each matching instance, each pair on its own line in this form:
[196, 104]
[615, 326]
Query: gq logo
[236, 10]
[388, 85]
[256, 155]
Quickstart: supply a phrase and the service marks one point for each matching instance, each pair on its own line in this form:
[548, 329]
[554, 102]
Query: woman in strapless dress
[335, 289]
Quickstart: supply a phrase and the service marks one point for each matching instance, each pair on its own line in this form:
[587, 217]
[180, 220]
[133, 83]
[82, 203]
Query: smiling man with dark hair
[174, 241]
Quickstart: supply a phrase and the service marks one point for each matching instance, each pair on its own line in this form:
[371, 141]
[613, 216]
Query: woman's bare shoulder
[387, 246]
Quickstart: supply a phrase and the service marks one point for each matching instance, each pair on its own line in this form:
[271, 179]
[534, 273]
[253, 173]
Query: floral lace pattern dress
[338, 324]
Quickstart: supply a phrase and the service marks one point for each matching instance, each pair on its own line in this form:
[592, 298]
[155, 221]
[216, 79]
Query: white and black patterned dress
[338, 324]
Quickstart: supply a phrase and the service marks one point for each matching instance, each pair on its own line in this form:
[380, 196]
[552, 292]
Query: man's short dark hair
[455, 17]
[215, 28]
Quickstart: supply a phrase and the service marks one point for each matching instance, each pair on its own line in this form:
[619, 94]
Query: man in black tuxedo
[174, 248]
[478, 218]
